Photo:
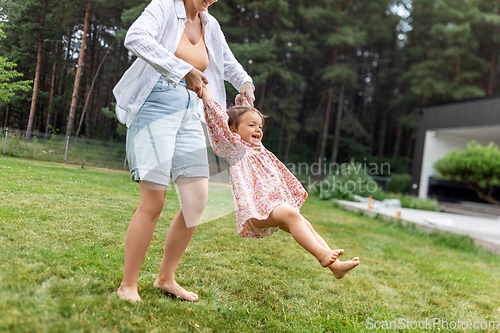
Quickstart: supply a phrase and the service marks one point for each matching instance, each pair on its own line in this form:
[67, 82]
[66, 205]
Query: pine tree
[8, 87]
[450, 66]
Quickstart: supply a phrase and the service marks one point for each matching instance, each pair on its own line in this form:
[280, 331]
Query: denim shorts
[166, 137]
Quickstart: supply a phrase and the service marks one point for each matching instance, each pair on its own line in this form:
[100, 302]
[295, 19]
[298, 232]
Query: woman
[179, 47]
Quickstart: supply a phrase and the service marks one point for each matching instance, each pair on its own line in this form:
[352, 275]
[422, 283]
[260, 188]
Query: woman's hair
[236, 112]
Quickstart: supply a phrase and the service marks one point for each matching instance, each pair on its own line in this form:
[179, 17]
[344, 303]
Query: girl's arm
[224, 142]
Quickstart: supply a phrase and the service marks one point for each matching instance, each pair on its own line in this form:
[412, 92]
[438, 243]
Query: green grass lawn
[62, 232]
[101, 154]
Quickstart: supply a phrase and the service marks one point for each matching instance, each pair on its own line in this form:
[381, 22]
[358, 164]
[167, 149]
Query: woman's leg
[139, 234]
[194, 195]
[289, 217]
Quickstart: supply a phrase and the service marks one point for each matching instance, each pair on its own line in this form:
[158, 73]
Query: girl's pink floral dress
[259, 181]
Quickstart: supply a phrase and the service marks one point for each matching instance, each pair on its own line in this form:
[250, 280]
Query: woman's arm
[236, 74]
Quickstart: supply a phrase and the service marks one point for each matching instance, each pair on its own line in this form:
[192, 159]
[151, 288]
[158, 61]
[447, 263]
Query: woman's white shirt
[154, 38]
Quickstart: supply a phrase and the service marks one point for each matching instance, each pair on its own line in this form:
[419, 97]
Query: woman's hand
[195, 80]
[247, 91]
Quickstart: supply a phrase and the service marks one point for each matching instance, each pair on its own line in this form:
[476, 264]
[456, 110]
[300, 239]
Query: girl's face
[250, 128]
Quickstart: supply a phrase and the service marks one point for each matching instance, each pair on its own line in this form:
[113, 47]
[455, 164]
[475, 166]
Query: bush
[400, 183]
[349, 179]
[477, 166]
[408, 201]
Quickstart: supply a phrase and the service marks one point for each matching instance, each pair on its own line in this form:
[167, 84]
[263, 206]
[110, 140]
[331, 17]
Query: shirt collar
[181, 12]
[249, 145]
[204, 18]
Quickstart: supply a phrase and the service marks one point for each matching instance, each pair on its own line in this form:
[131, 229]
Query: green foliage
[400, 183]
[340, 74]
[131, 14]
[352, 178]
[93, 153]
[476, 164]
[108, 113]
[409, 201]
[7, 74]
[447, 50]
[390, 56]
[349, 179]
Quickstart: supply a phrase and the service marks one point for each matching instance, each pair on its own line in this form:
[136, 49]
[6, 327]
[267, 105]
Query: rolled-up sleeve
[142, 40]
[233, 71]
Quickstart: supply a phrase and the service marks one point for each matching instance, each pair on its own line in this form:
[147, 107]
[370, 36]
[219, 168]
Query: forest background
[341, 79]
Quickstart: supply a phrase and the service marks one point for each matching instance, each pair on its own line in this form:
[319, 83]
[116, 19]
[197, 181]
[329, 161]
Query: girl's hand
[247, 91]
[195, 80]
[205, 94]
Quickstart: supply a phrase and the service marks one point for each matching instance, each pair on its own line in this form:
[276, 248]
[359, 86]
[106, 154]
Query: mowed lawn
[62, 232]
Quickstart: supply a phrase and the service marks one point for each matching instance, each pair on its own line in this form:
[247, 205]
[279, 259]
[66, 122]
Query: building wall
[462, 114]
[437, 145]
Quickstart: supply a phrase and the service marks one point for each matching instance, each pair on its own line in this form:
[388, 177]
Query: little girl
[267, 197]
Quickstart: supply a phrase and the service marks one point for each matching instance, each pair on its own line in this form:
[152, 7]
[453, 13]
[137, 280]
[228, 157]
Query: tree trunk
[324, 134]
[76, 85]
[97, 107]
[326, 125]
[90, 91]
[485, 194]
[282, 130]
[52, 93]
[493, 71]
[458, 64]
[337, 124]
[105, 129]
[397, 143]
[63, 85]
[287, 151]
[40, 121]
[318, 142]
[262, 94]
[7, 116]
[37, 75]
[91, 53]
[382, 137]
[409, 150]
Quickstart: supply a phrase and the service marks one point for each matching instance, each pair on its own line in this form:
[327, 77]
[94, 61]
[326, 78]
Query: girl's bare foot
[171, 287]
[329, 257]
[129, 294]
[340, 268]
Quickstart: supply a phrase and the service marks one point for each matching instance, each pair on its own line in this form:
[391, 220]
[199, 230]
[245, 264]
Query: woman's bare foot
[129, 294]
[341, 268]
[171, 287]
[329, 257]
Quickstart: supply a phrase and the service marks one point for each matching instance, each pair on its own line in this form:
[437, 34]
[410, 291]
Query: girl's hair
[236, 112]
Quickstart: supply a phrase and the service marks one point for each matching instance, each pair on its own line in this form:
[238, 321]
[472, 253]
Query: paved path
[485, 232]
